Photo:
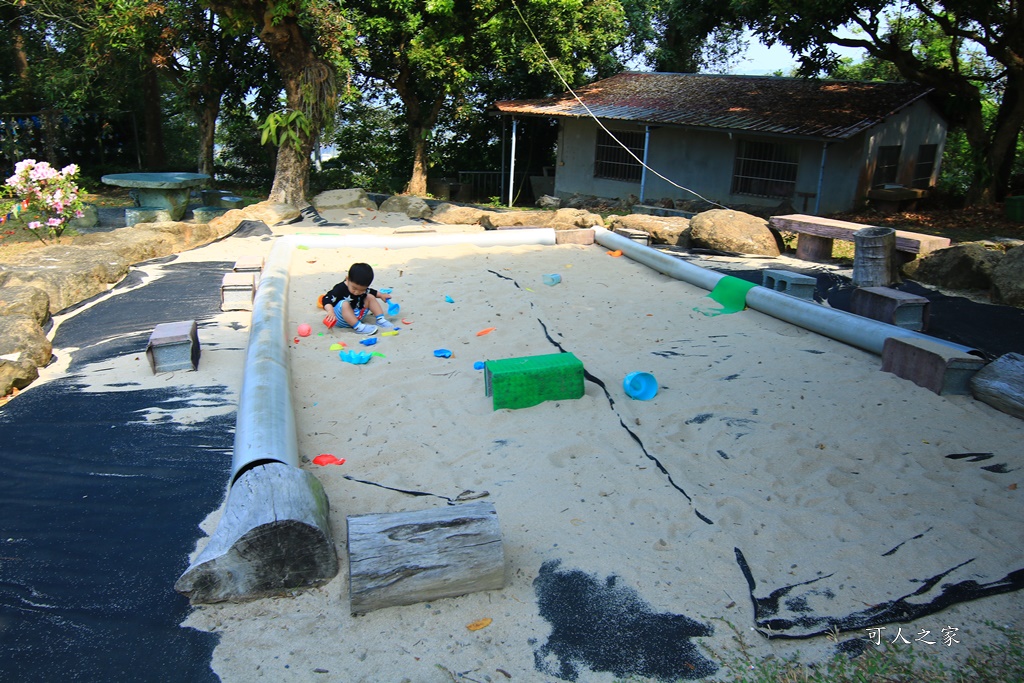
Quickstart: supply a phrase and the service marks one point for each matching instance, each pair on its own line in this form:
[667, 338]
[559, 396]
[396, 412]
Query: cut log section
[274, 537]
[401, 558]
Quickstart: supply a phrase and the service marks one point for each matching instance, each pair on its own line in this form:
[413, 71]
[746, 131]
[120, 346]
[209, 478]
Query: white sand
[797, 449]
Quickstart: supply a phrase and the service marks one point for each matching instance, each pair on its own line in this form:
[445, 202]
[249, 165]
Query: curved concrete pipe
[855, 330]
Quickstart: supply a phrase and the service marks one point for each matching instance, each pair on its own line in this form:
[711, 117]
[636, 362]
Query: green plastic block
[527, 381]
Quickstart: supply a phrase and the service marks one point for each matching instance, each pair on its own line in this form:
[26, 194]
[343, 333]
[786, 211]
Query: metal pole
[821, 179]
[512, 163]
[643, 170]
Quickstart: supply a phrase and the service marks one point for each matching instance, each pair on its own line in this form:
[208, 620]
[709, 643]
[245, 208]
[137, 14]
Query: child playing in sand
[348, 302]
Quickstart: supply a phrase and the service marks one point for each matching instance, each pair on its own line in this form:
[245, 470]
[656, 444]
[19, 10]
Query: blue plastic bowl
[640, 385]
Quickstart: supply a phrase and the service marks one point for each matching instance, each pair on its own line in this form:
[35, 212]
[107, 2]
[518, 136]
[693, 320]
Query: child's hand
[383, 296]
[330, 318]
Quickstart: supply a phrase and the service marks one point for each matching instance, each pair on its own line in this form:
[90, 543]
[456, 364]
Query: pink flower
[35, 225]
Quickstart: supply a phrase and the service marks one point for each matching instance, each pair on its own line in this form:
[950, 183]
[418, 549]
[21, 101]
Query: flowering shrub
[42, 196]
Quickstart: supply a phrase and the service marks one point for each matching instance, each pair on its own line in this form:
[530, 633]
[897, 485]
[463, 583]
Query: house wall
[703, 162]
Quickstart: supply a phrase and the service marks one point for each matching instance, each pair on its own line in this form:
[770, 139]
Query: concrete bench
[816, 235]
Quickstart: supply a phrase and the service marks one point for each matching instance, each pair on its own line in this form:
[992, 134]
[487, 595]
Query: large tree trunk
[292, 54]
[153, 147]
[207, 115]
[418, 181]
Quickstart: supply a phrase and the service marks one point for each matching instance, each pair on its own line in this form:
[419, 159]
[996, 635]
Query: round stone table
[169, 191]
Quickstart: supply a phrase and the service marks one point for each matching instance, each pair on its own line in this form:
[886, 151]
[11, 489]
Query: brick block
[173, 346]
[892, 306]
[582, 236]
[529, 380]
[930, 364]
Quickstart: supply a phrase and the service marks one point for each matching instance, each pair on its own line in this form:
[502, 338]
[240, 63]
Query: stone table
[167, 191]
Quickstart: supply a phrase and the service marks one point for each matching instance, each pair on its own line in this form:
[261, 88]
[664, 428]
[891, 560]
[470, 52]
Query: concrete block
[237, 291]
[582, 236]
[230, 202]
[785, 281]
[892, 306]
[173, 346]
[529, 380]
[145, 214]
[930, 364]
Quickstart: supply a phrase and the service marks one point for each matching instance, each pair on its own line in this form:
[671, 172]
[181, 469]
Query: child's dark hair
[361, 274]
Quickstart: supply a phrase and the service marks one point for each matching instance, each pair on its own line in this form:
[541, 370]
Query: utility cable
[598, 121]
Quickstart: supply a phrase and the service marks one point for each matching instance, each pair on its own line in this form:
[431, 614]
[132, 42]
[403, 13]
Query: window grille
[765, 169]
[925, 165]
[615, 163]
[887, 166]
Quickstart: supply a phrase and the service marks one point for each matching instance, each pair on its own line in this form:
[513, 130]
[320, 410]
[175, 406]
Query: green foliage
[371, 148]
[285, 127]
[241, 159]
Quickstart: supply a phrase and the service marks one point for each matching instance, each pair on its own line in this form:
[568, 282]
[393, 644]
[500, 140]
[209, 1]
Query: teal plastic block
[529, 380]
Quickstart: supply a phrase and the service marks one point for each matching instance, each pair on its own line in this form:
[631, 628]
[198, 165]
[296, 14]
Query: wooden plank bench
[816, 235]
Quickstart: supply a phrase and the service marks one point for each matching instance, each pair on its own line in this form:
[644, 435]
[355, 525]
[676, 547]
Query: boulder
[1008, 279]
[727, 230]
[548, 202]
[453, 214]
[493, 220]
[25, 301]
[573, 219]
[961, 266]
[355, 198]
[579, 201]
[670, 230]
[413, 207]
[23, 348]
[67, 275]
[90, 218]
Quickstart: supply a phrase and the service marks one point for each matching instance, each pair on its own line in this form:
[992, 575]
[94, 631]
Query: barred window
[765, 169]
[887, 165]
[615, 163]
[925, 165]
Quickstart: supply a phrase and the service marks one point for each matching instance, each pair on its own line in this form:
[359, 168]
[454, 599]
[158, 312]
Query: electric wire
[598, 121]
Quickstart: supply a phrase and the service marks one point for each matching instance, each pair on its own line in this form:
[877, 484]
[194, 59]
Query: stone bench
[205, 214]
[146, 214]
[816, 235]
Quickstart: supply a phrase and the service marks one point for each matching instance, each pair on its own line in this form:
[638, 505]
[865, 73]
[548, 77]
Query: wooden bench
[816, 235]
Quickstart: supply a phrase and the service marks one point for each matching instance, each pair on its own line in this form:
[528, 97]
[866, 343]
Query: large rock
[562, 219]
[413, 207]
[453, 214]
[727, 230]
[23, 349]
[548, 202]
[25, 301]
[494, 220]
[1008, 279]
[668, 230]
[67, 275]
[355, 198]
[961, 266]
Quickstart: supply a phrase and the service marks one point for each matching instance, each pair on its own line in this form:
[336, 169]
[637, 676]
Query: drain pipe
[863, 333]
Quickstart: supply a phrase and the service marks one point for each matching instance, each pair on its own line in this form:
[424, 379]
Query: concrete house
[821, 146]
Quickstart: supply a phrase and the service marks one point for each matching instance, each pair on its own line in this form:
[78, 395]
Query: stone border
[43, 282]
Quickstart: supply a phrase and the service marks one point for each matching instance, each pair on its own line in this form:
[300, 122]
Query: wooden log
[274, 537]
[874, 262]
[1001, 384]
[402, 558]
[813, 248]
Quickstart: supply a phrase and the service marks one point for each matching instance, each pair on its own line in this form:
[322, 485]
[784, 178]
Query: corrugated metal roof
[763, 104]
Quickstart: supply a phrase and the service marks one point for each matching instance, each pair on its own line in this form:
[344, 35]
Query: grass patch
[996, 662]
